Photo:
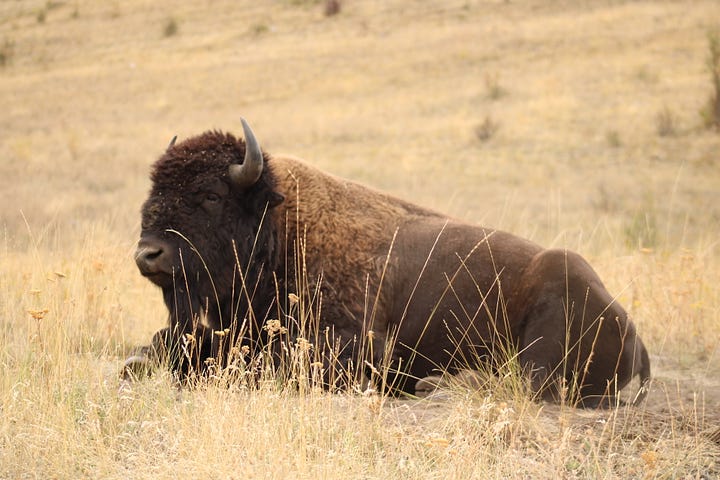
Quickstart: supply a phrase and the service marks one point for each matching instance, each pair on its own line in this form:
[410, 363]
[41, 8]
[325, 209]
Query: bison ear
[275, 199]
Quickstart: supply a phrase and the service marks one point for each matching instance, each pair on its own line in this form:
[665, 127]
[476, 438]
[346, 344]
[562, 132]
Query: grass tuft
[666, 123]
[7, 51]
[486, 129]
[494, 90]
[170, 29]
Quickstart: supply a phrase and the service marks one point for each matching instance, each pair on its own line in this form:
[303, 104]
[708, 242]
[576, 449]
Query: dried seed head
[294, 299]
[303, 345]
[274, 326]
[38, 314]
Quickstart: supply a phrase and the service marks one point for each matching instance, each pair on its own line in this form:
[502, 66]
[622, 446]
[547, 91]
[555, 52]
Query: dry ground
[573, 123]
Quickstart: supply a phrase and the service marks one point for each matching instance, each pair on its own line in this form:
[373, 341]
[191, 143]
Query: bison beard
[229, 233]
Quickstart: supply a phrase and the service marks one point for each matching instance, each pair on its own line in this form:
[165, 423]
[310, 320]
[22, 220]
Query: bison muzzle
[231, 235]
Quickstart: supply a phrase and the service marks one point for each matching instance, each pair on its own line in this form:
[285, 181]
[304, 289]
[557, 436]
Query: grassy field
[576, 124]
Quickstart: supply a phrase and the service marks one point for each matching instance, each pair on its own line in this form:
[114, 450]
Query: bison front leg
[183, 355]
[138, 365]
[147, 358]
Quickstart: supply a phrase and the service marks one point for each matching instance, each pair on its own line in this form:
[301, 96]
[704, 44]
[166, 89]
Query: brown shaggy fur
[437, 293]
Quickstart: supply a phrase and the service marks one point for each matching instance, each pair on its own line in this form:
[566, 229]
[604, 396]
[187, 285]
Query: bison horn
[249, 172]
[172, 142]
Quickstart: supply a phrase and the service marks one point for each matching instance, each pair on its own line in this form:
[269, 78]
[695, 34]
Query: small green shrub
[487, 129]
[171, 28]
[666, 123]
[495, 90]
[259, 29]
[711, 112]
[613, 138]
[7, 49]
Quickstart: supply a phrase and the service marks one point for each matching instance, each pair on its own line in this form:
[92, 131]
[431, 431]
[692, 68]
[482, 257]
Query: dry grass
[390, 94]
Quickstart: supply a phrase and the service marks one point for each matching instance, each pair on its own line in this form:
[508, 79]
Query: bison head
[206, 236]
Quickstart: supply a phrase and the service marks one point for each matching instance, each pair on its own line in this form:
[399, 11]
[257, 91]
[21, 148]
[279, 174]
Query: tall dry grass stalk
[71, 315]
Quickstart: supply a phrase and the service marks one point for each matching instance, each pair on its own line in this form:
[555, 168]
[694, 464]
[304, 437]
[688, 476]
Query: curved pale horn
[249, 172]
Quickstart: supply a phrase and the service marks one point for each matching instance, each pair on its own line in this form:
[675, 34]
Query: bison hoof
[136, 367]
[464, 379]
[427, 385]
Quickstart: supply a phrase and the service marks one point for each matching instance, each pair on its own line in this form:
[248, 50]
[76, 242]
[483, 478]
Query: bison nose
[153, 257]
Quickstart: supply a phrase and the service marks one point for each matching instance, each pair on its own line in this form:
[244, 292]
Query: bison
[232, 235]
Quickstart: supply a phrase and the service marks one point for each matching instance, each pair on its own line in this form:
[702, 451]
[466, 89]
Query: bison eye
[212, 198]
[211, 202]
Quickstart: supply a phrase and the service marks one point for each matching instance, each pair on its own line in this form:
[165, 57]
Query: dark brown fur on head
[194, 167]
[214, 229]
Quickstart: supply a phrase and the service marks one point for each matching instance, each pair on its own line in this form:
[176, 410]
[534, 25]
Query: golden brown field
[575, 124]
